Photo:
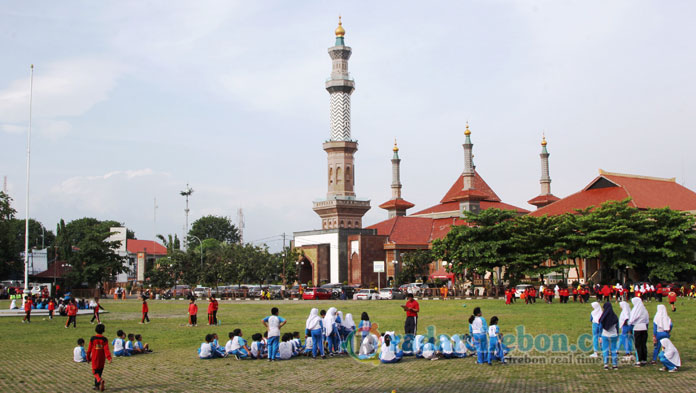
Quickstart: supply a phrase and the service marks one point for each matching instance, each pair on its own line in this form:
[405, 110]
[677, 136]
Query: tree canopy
[214, 227]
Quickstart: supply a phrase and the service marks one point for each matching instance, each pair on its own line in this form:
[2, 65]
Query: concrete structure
[139, 255]
[396, 206]
[545, 197]
[325, 251]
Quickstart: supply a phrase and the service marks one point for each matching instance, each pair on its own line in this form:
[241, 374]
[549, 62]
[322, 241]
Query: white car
[414, 288]
[367, 294]
[201, 291]
[391, 294]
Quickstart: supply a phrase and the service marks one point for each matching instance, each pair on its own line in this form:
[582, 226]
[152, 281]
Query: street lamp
[199, 241]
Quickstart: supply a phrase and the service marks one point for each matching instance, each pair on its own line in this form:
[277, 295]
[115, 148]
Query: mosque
[343, 251]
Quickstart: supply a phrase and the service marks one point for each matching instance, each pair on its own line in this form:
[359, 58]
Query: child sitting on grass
[79, 354]
[119, 344]
[257, 346]
[139, 347]
[285, 347]
[296, 344]
[237, 345]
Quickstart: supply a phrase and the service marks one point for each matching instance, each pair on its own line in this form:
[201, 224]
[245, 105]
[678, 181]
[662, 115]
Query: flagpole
[26, 220]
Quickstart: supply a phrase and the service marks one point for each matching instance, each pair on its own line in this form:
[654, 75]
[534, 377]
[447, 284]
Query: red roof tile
[479, 184]
[543, 200]
[397, 204]
[151, 247]
[405, 230]
[645, 193]
[454, 207]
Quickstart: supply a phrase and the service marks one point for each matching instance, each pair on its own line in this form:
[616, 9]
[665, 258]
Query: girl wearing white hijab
[330, 331]
[348, 325]
[459, 346]
[639, 319]
[418, 346]
[662, 327]
[389, 352]
[596, 327]
[368, 348]
[669, 356]
[446, 347]
[313, 328]
[626, 339]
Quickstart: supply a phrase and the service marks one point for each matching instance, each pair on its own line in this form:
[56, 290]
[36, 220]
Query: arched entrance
[304, 270]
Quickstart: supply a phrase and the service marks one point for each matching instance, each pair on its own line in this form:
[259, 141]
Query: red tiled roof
[405, 230]
[55, 269]
[543, 200]
[454, 207]
[645, 192]
[150, 247]
[397, 203]
[480, 185]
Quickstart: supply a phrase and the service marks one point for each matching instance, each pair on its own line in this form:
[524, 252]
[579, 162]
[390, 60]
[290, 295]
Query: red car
[316, 294]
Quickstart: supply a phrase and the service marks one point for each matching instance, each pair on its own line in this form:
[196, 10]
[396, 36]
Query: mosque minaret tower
[340, 209]
[545, 197]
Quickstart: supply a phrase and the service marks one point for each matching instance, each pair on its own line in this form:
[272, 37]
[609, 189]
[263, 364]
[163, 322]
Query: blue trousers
[596, 332]
[658, 346]
[668, 365]
[495, 351]
[333, 341]
[273, 347]
[609, 347]
[317, 342]
[626, 339]
[481, 347]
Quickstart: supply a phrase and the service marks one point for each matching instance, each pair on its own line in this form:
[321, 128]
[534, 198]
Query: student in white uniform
[237, 346]
[596, 328]
[389, 352]
[480, 331]
[119, 344]
[610, 336]
[459, 346]
[639, 319]
[430, 351]
[314, 331]
[626, 338]
[495, 344]
[79, 354]
[331, 331]
[256, 349]
[368, 347]
[418, 346]
[285, 347]
[662, 327]
[446, 347]
[273, 323]
[669, 356]
[206, 350]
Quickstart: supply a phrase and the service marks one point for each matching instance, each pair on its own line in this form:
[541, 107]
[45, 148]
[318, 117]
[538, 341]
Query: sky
[132, 100]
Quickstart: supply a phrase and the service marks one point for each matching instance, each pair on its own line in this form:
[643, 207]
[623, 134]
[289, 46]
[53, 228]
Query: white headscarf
[368, 345]
[596, 312]
[313, 320]
[348, 322]
[671, 352]
[340, 316]
[445, 344]
[625, 313]
[638, 314]
[662, 320]
[329, 320]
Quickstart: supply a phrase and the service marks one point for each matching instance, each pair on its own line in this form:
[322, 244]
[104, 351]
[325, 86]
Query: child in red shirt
[145, 310]
[27, 309]
[212, 311]
[96, 311]
[71, 309]
[193, 313]
[97, 352]
[51, 308]
[672, 297]
[508, 296]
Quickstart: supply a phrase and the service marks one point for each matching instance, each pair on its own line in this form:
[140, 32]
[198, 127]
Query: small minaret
[396, 206]
[545, 198]
[470, 198]
[341, 208]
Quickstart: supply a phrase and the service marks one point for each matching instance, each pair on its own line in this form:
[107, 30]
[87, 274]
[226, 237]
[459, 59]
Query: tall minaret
[470, 198]
[340, 209]
[545, 198]
[396, 206]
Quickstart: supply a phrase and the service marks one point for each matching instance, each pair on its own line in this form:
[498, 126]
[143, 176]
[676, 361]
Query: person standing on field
[412, 308]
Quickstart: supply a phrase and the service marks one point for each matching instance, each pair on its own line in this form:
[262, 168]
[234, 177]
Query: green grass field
[38, 357]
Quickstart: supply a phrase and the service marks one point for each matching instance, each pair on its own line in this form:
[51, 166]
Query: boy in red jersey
[672, 297]
[51, 307]
[71, 310]
[212, 311]
[145, 310]
[27, 309]
[193, 312]
[96, 311]
[97, 352]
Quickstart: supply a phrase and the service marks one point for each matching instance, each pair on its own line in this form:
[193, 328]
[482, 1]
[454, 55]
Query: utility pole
[186, 193]
[26, 221]
[284, 279]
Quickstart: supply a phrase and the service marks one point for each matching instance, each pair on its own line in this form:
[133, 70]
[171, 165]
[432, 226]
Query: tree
[172, 243]
[94, 260]
[414, 265]
[9, 256]
[214, 227]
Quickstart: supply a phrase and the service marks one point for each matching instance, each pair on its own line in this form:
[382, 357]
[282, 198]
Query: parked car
[315, 293]
[201, 291]
[367, 294]
[254, 291]
[414, 288]
[391, 293]
[178, 290]
[295, 290]
[519, 290]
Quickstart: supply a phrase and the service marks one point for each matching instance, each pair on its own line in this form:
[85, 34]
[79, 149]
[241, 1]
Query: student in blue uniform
[364, 326]
[256, 349]
[479, 328]
[119, 344]
[129, 344]
[79, 354]
[331, 331]
[389, 353]
[237, 345]
[495, 343]
[459, 346]
[669, 356]
[662, 327]
[206, 351]
[626, 338]
[446, 347]
[609, 323]
[273, 323]
[314, 329]
[596, 328]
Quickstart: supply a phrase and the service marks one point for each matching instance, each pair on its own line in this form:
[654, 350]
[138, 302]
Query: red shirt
[672, 297]
[72, 310]
[414, 305]
[98, 351]
[27, 305]
[211, 307]
[145, 308]
[193, 309]
[215, 305]
[51, 306]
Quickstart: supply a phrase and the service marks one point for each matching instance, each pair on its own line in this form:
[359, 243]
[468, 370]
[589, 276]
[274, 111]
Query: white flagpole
[26, 221]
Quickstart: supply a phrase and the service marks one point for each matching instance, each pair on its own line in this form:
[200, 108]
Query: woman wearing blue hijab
[610, 336]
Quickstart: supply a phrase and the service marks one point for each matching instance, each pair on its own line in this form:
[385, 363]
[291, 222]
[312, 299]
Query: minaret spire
[340, 209]
[470, 198]
[545, 197]
[396, 206]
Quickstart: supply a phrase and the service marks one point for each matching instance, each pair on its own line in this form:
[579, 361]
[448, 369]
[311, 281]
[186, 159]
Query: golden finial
[467, 132]
[340, 32]
[543, 139]
[396, 148]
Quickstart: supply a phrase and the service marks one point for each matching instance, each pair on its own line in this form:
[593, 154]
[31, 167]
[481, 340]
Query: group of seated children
[132, 346]
[239, 348]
